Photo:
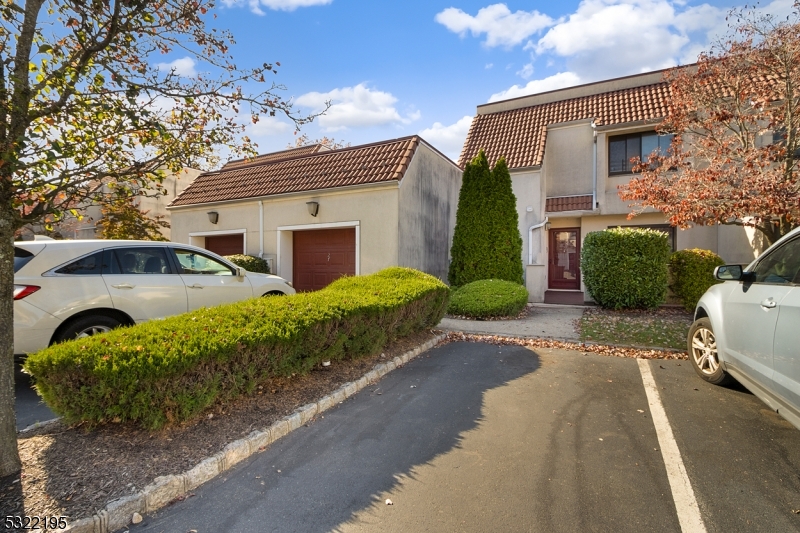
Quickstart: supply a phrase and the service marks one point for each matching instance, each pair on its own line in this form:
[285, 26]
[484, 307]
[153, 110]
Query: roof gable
[265, 176]
[520, 134]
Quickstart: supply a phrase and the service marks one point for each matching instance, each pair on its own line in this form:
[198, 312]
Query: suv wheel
[702, 347]
[86, 326]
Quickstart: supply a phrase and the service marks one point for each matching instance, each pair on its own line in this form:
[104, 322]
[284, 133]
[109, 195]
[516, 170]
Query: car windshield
[21, 258]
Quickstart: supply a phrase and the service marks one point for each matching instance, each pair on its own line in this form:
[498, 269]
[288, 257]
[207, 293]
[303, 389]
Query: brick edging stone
[165, 489]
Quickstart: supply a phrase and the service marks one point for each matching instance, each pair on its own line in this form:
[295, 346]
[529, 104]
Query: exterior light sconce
[313, 208]
[213, 217]
[547, 226]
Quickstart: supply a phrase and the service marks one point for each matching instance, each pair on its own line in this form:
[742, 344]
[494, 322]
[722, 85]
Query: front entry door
[564, 260]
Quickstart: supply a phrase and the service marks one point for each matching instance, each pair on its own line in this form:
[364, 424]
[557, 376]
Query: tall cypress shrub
[486, 240]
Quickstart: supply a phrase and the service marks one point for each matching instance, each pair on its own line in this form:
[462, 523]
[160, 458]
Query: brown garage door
[321, 256]
[226, 244]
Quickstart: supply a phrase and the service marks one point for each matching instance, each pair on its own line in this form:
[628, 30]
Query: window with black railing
[623, 148]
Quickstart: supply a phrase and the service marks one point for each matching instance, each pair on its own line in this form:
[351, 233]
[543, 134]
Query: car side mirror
[240, 272]
[729, 273]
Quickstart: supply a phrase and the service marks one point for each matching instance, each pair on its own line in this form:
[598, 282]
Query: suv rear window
[21, 258]
[85, 266]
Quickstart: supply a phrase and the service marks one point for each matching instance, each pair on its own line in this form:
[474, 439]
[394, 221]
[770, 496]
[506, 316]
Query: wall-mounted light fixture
[213, 217]
[313, 208]
[547, 226]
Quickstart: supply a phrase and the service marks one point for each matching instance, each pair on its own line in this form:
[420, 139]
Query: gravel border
[166, 489]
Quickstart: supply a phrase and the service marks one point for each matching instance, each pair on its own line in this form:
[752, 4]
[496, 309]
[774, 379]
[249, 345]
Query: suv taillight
[21, 291]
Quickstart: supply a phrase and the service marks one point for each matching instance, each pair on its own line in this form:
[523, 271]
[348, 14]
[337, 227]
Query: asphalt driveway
[475, 437]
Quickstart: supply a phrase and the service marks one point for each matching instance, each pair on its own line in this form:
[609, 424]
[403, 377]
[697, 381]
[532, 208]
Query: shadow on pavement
[319, 476]
[28, 406]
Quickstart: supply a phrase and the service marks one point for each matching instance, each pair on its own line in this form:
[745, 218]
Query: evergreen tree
[486, 240]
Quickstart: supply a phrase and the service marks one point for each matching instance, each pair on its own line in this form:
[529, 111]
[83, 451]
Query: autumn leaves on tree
[737, 119]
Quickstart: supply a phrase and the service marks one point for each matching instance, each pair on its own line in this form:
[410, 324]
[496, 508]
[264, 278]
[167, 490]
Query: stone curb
[165, 489]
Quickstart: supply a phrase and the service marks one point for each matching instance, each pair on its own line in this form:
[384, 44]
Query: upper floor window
[623, 148]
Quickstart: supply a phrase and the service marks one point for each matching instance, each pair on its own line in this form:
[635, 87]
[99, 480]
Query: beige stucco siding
[568, 159]
[428, 199]
[374, 210]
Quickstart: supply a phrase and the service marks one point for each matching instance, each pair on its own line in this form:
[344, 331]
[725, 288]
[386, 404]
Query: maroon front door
[564, 261]
[322, 256]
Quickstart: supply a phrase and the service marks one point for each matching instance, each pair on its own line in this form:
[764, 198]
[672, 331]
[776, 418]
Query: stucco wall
[428, 196]
[374, 210]
[569, 152]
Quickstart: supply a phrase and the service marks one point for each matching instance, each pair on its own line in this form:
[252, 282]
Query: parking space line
[682, 493]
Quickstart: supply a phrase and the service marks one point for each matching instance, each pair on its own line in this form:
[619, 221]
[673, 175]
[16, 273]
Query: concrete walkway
[546, 321]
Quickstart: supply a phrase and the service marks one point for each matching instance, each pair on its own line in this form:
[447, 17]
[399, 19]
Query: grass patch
[663, 328]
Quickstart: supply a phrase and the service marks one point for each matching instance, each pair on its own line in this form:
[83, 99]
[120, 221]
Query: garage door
[226, 244]
[321, 256]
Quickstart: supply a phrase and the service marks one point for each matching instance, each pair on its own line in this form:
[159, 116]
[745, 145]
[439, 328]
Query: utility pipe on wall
[530, 238]
[261, 229]
[594, 167]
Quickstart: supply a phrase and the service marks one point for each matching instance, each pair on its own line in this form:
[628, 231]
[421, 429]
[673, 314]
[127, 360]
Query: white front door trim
[304, 227]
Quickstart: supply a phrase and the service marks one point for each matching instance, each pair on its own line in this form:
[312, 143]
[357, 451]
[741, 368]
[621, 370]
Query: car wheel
[273, 293]
[87, 326]
[702, 347]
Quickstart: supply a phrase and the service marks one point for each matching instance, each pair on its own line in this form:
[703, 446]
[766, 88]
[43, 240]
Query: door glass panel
[194, 263]
[564, 259]
[781, 266]
[140, 260]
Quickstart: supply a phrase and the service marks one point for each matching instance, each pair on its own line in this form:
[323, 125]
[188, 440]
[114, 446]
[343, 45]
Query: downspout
[261, 229]
[530, 238]
[594, 167]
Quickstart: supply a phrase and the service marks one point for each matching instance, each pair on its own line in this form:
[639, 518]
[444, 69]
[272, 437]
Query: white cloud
[354, 107]
[448, 139]
[501, 26]
[630, 36]
[526, 72]
[551, 83]
[182, 67]
[275, 5]
[268, 126]
[489, 65]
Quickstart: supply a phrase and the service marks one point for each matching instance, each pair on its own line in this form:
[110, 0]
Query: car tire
[702, 348]
[86, 326]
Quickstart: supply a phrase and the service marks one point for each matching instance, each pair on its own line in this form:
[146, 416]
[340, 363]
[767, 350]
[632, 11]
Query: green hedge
[488, 298]
[250, 263]
[167, 371]
[692, 273]
[626, 267]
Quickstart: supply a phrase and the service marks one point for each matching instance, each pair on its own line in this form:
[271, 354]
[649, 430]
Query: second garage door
[322, 256]
[226, 244]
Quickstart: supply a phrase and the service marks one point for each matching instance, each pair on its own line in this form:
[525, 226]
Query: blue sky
[396, 68]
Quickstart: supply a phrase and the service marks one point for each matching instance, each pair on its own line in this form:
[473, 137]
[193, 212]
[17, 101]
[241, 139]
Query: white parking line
[682, 493]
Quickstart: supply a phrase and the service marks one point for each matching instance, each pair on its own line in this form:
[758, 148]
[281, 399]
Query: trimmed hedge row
[692, 273]
[626, 267]
[250, 263]
[168, 371]
[488, 298]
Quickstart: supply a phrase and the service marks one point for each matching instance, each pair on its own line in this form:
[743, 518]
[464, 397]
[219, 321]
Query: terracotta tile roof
[568, 203]
[370, 163]
[520, 134]
[275, 156]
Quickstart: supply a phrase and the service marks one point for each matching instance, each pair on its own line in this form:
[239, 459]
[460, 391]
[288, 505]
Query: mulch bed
[70, 471]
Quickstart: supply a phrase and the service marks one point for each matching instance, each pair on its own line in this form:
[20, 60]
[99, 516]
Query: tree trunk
[9, 455]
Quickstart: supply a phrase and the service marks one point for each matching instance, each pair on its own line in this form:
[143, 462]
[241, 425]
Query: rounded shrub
[692, 273]
[626, 268]
[488, 298]
[250, 263]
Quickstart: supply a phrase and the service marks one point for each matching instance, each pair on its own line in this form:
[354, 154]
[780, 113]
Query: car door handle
[124, 286]
[195, 286]
[769, 303]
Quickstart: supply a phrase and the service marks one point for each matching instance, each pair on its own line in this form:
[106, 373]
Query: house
[316, 214]
[85, 228]
[567, 151]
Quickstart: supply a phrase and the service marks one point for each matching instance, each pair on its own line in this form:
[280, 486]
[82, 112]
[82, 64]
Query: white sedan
[69, 289]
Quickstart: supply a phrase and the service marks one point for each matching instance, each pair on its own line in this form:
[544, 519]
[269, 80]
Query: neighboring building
[72, 228]
[317, 214]
[567, 151]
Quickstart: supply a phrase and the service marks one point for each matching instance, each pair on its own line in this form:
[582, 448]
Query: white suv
[69, 289]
